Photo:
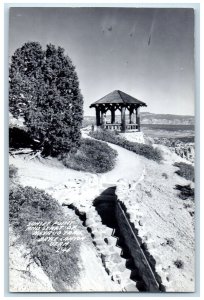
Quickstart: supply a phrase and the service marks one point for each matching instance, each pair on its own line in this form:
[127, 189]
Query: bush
[28, 204]
[185, 170]
[142, 149]
[92, 156]
[19, 138]
[32, 205]
[179, 264]
[165, 175]
[12, 172]
[186, 192]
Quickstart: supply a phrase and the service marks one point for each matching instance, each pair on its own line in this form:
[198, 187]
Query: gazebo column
[98, 121]
[123, 121]
[130, 115]
[137, 118]
[112, 115]
[102, 117]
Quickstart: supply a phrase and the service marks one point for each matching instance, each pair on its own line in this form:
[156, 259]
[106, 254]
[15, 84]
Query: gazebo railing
[113, 126]
[118, 127]
[132, 127]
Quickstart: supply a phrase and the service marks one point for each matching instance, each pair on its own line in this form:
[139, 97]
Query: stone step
[93, 215]
[114, 258]
[93, 223]
[111, 240]
[109, 231]
[131, 287]
[108, 184]
[99, 242]
[114, 249]
[126, 273]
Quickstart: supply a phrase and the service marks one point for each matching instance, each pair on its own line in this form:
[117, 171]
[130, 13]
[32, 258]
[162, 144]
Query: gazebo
[123, 102]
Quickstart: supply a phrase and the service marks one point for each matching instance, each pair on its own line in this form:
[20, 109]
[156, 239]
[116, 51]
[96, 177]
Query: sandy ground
[167, 227]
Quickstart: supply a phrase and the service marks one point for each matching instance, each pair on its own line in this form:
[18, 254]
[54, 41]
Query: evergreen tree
[52, 103]
[25, 77]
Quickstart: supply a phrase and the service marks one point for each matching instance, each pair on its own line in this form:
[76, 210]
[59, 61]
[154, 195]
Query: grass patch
[92, 156]
[27, 205]
[142, 149]
[185, 170]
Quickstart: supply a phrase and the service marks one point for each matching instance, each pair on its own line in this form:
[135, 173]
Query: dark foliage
[165, 175]
[33, 205]
[92, 156]
[25, 78]
[186, 192]
[179, 264]
[19, 138]
[185, 170]
[141, 149]
[12, 172]
[44, 89]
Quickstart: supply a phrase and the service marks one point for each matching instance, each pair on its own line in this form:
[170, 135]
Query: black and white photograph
[101, 149]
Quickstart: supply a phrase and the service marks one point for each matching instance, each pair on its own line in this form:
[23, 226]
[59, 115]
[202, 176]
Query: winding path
[46, 174]
[128, 166]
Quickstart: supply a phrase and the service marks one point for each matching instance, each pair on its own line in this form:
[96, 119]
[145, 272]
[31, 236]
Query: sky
[144, 52]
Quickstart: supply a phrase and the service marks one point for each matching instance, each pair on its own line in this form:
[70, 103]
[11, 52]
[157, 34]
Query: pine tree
[25, 76]
[52, 104]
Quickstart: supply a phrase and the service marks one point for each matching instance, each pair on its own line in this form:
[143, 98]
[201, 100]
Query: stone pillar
[123, 121]
[138, 118]
[112, 115]
[98, 121]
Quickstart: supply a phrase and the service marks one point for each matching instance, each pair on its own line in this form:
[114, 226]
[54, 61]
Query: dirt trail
[128, 166]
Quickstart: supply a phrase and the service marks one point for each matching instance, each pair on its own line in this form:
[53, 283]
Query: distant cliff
[150, 118]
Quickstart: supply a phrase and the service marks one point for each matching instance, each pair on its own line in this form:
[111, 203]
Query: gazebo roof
[118, 97]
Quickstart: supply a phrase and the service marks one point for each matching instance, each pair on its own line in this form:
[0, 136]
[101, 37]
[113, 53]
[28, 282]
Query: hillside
[164, 221]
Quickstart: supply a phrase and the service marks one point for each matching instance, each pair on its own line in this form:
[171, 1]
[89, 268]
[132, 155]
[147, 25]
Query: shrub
[28, 204]
[165, 175]
[19, 138]
[92, 156]
[142, 149]
[12, 172]
[186, 192]
[32, 205]
[179, 264]
[185, 170]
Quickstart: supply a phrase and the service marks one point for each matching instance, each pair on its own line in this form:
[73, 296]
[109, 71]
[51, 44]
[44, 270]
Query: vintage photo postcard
[101, 149]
